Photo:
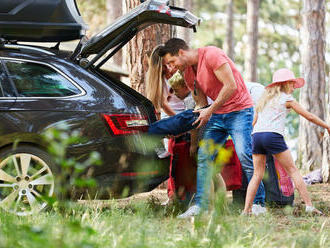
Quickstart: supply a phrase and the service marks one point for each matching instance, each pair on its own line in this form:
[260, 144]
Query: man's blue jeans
[238, 125]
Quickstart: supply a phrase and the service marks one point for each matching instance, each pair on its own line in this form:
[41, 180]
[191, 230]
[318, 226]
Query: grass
[143, 222]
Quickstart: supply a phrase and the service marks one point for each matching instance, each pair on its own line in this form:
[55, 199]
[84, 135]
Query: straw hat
[283, 75]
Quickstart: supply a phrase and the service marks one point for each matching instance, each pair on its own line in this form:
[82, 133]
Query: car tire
[26, 179]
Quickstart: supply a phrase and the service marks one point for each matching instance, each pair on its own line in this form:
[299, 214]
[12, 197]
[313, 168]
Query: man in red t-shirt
[210, 70]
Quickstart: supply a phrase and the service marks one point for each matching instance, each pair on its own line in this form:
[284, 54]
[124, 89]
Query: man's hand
[204, 116]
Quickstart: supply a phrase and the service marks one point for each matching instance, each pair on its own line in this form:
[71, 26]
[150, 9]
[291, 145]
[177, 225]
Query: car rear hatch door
[126, 27]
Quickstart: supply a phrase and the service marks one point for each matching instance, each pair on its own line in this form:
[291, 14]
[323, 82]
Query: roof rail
[3, 44]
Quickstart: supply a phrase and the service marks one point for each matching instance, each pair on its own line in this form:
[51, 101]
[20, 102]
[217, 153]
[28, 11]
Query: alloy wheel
[26, 182]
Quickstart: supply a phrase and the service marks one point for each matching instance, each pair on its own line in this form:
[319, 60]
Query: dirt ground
[320, 194]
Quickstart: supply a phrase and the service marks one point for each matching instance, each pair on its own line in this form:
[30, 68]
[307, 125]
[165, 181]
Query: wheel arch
[23, 139]
[7, 146]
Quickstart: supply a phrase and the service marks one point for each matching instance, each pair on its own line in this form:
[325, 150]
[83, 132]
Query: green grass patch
[148, 224]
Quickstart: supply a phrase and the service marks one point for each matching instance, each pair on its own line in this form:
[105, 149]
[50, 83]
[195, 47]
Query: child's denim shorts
[268, 143]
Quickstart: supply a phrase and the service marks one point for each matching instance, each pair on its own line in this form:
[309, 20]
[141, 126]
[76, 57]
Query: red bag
[183, 169]
[232, 171]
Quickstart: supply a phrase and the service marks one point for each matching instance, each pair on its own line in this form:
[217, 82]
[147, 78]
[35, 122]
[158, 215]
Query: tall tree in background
[326, 142]
[229, 41]
[114, 10]
[181, 32]
[312, 96]
[251, 54]
[140, 47]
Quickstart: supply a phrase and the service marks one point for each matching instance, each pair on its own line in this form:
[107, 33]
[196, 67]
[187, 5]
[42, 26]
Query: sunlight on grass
[148, 224]
[134, 222]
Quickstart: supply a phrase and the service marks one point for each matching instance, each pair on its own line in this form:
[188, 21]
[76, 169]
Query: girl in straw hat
[268, 131]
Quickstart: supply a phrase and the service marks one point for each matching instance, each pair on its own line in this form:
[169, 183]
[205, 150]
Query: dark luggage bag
[278, 185]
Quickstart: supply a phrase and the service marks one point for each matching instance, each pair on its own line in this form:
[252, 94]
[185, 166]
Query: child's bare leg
[285, 159]
[259, 163]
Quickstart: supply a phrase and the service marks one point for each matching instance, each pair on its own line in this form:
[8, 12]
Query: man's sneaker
[258, 209]
[192, 211]
[313, 211]
[262, 210]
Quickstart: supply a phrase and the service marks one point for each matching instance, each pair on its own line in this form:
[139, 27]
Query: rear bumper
[145, 174]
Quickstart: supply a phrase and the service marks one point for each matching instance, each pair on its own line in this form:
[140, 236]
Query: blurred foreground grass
[143, 222]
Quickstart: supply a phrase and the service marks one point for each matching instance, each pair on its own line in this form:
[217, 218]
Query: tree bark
[326, 144]
[252, 43]
[229, 42]
[312, 95]
[326, 156]
[140, 47]
[115, 10]
[185, 33]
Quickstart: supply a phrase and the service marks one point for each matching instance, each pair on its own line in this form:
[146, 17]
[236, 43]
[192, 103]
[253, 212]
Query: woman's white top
[273, 116]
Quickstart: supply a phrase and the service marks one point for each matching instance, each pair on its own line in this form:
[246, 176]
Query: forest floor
[141, 221]
[320, 194]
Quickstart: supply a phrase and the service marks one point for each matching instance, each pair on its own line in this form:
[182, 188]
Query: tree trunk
[312, 95]
[326, 144]
[115, 10]
[252, 43]
[181, 32]
[140, 47]
[229, 42]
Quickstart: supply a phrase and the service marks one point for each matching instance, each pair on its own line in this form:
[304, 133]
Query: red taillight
[126, 123]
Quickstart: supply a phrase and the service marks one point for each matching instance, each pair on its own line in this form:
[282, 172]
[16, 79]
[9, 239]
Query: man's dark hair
[172, 46]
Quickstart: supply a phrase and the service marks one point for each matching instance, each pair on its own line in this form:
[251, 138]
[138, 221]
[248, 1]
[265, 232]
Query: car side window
[39, 80]
[6, 90]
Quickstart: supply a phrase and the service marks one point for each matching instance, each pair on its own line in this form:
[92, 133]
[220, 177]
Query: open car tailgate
[126, 27]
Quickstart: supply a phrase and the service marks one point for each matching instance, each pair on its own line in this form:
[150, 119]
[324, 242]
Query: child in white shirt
[267, 135]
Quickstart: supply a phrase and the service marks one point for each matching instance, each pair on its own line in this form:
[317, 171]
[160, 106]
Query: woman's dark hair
[172, 46]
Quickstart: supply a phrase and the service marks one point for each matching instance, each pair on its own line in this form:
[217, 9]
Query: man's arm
[225, 75]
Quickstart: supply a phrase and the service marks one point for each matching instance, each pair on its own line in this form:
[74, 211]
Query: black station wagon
[42, 88]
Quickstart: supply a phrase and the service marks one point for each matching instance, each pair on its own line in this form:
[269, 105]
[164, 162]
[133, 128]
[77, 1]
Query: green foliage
[92, 6]
[73, 172]
[147, 224]
[209, 6]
